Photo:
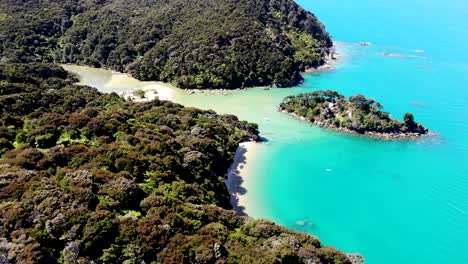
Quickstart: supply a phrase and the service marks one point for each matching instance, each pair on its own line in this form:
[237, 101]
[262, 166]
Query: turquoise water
[392, 201]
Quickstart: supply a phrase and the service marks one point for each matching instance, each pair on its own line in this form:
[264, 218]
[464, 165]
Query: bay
[392, 201]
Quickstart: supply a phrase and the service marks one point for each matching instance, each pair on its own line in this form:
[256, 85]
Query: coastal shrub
[5, 145]
[140, 93]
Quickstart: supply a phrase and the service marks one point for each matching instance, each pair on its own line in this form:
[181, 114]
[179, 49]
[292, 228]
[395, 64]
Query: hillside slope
[191, 43]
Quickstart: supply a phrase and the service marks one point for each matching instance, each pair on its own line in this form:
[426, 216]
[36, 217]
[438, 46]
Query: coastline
[166, 91]
[235, 180]
[368, 134]
[238, 174]
[331, 59]
[240, 178]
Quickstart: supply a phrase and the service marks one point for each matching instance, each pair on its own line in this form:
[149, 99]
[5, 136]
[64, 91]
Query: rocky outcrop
[356, 114]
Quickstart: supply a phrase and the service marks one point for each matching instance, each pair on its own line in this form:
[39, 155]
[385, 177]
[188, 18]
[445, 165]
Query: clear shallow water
[392, 201]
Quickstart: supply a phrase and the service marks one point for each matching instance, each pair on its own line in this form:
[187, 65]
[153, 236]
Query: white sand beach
[150, 92]
[237, 175]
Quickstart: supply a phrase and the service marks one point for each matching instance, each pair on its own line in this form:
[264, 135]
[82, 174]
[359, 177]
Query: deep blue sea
[391, 201]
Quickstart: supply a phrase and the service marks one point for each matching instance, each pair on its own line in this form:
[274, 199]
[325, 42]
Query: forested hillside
[87, 177]
[191, 43]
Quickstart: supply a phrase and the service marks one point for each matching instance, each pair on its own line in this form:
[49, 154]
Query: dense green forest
[356, 114]
[190, 43]
[87, 177]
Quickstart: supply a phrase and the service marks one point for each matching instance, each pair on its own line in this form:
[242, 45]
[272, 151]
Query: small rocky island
[356, 114]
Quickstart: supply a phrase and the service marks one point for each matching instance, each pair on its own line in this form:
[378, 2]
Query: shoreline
[330, 60]
[367, 134]
[236, 176]
[160, 89]
[239, 178]
[149, 93]
[235, 180]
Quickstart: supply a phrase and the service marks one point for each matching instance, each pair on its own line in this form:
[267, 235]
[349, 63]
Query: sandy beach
[238, 176]
[124, 84]
[142, 91]
[150, 92]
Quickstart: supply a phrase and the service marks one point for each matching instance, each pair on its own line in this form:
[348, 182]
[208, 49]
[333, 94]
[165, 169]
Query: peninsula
[356, 114]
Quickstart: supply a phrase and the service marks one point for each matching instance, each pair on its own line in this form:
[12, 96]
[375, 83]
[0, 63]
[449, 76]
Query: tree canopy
[355, 114]
[87, 177]
[191, 43]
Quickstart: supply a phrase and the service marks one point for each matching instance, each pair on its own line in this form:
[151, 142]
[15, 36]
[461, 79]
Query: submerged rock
[365, 44]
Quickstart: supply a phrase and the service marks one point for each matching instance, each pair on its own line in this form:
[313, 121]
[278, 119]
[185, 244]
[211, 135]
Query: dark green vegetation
[86, 176]
[356, 114]
[191, 43]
